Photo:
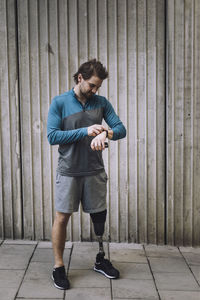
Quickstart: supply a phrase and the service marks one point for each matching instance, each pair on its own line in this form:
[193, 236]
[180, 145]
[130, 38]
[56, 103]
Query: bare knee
[62, 218]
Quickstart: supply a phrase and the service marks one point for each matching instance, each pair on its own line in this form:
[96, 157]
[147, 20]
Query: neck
[79, 95]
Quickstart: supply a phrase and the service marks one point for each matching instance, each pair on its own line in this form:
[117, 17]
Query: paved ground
[147, 272]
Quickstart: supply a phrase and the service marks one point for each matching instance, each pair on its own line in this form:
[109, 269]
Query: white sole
[102, 272]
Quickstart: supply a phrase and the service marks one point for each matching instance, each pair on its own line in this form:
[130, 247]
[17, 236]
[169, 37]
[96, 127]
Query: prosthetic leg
[102, 265]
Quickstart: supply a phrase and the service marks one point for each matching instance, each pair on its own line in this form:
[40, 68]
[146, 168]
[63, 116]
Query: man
[75, 124]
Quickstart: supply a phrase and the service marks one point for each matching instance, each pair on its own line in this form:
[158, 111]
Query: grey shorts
[89, 190]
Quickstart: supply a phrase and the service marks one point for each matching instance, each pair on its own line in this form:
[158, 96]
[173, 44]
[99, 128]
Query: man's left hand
[98, 143]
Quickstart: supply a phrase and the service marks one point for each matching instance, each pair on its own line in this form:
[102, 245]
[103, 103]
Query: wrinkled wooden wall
[150, 49]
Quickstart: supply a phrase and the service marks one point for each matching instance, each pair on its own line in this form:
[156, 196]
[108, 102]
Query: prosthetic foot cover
[105, 267]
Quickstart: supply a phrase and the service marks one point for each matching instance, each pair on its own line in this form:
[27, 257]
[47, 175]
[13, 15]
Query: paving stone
[43, 255]
[88, 294]
[192, 258]
[46, 255]
[48, 245]
[15, 256]
[131, 246]
[176, 282]
[90, 245]
[38, 283]
[196, 272]
[9, 283]
[87, 246]
[190, 250]
[87, 278]
[11, 278]
[168, 265]
[162, 251]
[131, 289]
[133, 270]
[84, 255]
[179, 295]
[80, 261]
[7, 294]
[127, 255]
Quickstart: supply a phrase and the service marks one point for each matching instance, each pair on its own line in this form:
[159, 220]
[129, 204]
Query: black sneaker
[105, 267]
[60, 279]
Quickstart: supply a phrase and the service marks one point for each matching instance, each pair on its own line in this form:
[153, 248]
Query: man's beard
[86, 95]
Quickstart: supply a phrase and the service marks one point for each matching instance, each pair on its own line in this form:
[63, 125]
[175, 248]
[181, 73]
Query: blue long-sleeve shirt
[67, 125]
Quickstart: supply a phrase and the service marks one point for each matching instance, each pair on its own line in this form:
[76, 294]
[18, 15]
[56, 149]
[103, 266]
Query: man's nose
[94, 90]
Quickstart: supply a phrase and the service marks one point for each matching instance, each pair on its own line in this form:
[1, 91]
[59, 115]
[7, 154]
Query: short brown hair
[90, 68]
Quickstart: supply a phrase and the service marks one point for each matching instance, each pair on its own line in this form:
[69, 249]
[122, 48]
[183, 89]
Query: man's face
[90, 86]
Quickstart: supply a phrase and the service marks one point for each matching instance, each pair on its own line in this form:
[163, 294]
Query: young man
[75, 124]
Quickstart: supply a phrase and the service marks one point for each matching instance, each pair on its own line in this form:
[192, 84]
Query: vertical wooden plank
[132, 121]
[47, 193]
[151, 122]
[92, 29]
[63, 46]
[155, 122]
[122, 94]
[142, 123]
[170, 123]
[6, 127]
[15, 126]
[102, 39]
[53, 49]
[113, 98]
[36, 122]
[10, 196]
[82, 31]
[196, 122]
[160, 141]
[26, 119]
[177, 161]
[188, 101]
[73, 40]
[178, 129]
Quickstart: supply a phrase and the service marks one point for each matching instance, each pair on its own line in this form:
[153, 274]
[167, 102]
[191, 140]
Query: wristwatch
[106, 133]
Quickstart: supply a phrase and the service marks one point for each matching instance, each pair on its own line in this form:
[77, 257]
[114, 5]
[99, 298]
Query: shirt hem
[95, 172]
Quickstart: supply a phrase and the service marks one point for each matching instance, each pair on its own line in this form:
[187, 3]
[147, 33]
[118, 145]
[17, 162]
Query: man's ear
[80, 77]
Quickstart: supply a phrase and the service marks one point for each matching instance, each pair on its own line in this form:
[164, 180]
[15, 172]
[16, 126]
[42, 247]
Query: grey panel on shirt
[78, 159]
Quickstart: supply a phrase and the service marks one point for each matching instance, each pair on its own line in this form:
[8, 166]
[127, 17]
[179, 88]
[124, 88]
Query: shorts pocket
[103, 176]
[57, 178]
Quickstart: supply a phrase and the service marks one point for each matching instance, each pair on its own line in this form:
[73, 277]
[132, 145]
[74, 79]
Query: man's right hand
[95, 129]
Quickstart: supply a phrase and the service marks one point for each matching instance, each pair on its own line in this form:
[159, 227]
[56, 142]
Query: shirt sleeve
[55, 134]
[113, 121]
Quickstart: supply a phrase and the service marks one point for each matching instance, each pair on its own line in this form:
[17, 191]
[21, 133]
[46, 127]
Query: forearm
[110, 134]
[60, 137]
[118, 132]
